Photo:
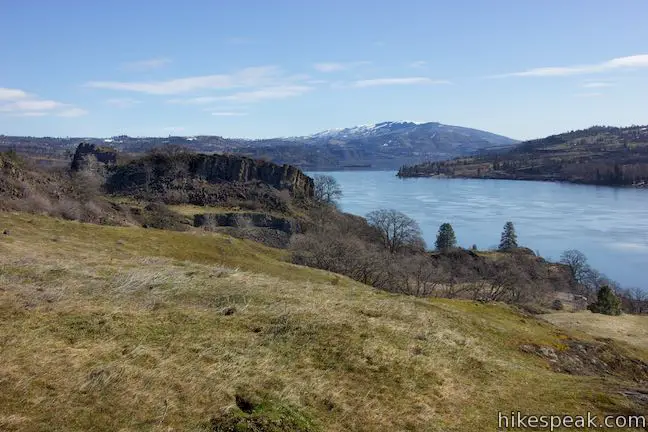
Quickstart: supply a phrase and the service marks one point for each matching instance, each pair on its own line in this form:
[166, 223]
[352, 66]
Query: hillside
[598, 155]
[383, 145]
[124, 328]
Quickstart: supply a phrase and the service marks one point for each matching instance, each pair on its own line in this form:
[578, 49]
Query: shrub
[607, 302]
[557, 305]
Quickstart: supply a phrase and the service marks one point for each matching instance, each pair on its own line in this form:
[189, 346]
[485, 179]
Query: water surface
[609, 225]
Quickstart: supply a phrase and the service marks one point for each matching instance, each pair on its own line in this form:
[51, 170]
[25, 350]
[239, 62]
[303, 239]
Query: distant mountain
[598, 155]
[421, 134]
[386, 145]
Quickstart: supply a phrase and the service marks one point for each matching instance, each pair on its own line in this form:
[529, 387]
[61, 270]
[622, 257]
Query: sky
[257, 68]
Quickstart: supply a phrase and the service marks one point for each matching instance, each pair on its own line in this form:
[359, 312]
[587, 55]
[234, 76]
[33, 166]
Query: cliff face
[211, 180]
[216, 168]
[105, 155]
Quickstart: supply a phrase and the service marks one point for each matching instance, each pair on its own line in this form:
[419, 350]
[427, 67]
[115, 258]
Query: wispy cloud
[418, 64]
[249, 77]
[228, 114]
[268, 93]
[30, 114]
[20, 103]
[72, 112]
[398, 81]
[200, 100]
[12, 94]
[620, 63]
[122, 102]
[597, 84]
[145, 65]
[328, 67]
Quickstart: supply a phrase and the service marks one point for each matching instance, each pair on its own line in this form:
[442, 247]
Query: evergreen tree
[607, 302]
[446, 238]
[508, 240]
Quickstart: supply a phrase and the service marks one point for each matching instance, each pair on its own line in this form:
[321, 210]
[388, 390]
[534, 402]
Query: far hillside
[599, 155]
[385, 145]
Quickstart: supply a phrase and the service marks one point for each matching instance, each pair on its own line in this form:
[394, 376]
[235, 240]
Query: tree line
[386, 250]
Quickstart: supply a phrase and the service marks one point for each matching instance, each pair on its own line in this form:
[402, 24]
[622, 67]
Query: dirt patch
[598, 358]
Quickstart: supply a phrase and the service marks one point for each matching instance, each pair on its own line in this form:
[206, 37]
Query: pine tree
[607, 302]
[508, 240]
[446, 238]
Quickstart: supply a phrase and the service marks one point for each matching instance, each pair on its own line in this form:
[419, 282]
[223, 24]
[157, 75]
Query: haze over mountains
[385, 145]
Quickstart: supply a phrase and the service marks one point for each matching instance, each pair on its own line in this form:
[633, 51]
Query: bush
[607, 302]
[557, 305]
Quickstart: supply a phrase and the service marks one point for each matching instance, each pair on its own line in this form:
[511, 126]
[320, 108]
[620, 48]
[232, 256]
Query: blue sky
[293, 67]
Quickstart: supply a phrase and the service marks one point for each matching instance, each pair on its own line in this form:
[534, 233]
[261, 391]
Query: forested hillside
[598, 155]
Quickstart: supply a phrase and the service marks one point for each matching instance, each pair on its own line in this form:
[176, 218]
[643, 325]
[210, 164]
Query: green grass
[115, 328]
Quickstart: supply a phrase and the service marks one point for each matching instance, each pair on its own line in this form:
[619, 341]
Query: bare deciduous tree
[327, 189]
[577, 263]
[397, 230]
[635, 300]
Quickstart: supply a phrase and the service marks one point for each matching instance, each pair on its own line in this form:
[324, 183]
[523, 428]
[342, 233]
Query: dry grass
[114, 328]
[631, 329]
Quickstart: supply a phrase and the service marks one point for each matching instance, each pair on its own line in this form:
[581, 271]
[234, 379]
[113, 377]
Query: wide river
[609, 225]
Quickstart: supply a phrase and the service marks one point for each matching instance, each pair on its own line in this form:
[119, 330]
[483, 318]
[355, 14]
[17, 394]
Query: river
[609, 225]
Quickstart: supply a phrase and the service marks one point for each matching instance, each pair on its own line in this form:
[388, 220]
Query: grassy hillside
[632, 329]
[124, 328]
[598, 155]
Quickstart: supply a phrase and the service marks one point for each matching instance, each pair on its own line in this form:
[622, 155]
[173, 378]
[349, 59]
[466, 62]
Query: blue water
[609, 225]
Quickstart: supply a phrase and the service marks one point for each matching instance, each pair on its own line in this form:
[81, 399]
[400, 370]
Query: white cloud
[630, 62]
[31, 114]
[72, 112]
[597, 84]
[200, 100]
[268, 93]
[228, 114]
[249, 77]
[398, 81]
[33, 105]
[19, 103]
[122, 102]
[11, 94]
[144, 65]
[336, 67]
[418, 64]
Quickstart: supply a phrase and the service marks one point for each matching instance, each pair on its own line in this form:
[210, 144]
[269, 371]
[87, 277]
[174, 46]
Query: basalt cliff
[213, 179]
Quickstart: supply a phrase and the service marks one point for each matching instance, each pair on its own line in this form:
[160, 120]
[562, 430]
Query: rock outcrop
[215, 179]
[85, 151]
[214, 168]
[247, 220]
[269, 230]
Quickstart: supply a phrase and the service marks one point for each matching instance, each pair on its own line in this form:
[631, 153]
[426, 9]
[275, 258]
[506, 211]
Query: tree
[327, 189]
[508, 240]
[577, 263]
[396, 229]
[607, 302]
[446, 238]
